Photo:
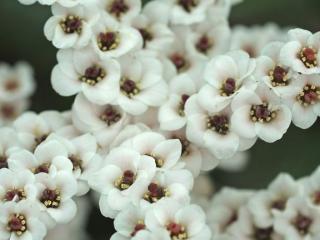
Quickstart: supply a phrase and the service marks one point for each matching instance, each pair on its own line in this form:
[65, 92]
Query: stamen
[279, 76]
[93, 75]
[310, 95]
[309, 57]
[261, 113]
[128, 87]
[118, 8]
[51, 198]
[17, 224]
[110, 115]
[125, 181]
[228, 88]
[108, 41]
[155, 193]
[218, 123]
[71, 24]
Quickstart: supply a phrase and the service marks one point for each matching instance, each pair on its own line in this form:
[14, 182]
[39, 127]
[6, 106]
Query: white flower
[311, 188]
[253, 39]
[54, 195]
[212, 130]
[226, 76]
[301, 53]
[16, 186]
[224, 210]
[141, 84]
[129, 223]
[82, 152]
[121, 10]
[208, 40]
[103, 121]
[9, 142]
[49, 157]
[20, 221]
[178, 221]
[70, 27]
[16, 82]
[299, 221]
[27, 2]
[9, 111]
[304, 100]
[171, 114]
[237, 163]
[112, 39]
[82, 71]
[188, 11]
[122, 179]
[261, 114]
[34, 128]
[165, 153]
[266, 204]
[153, 26]
[272, 72]
[68, 3]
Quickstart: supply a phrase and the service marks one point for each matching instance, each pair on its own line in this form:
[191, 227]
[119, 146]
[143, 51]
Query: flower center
[51, 198]
[250, 50]
[228, 88]
[310, 95]
[146, 36]
[17, 224]
[279, 204]
[40, 139]
[126, 180]
[218, 123]
[71, 24]
[309, 57]
[110, 115]
[8, 111]
[140, 226]
[177, 231]
[11, 194]
[261, 113]
[263, 233]
[3, 162]
[118, 7]
[159, 161]
[93, 75]
[180, 62]
[278, 76]
[184, 98]
[43, 168]
[76, 162]
[204, 44]
[316, 198]
[155, 193]
[188, 5]
[108, 41]
[129, 87]
[11, 85]
[302, 224]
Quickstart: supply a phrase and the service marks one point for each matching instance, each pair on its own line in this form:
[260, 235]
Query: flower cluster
[287, 209]
[17, 84]
[162, 92]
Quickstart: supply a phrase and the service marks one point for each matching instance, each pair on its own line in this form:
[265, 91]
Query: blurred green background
[21, 38]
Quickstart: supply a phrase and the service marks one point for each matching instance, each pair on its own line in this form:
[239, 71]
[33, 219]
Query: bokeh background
[21, 38]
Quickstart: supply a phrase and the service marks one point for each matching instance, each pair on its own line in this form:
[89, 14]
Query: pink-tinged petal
[241, 122]
[117, 201]
[299, 35]
[132, 106]
[65, 212]
[196, 127]
[210, 99]
[155, 95]
[63, 84]
[144, 143]
[193, 218]
[303, 117]
[105, 209]
[289, 52]
[170, 151]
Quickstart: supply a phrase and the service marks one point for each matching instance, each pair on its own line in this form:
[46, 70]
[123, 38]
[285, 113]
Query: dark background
[21, 38]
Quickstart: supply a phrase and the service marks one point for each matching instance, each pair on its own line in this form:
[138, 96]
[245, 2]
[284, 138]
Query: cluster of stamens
[177, 231]
[204, 44]
[309, 57]
[15, 194]
[126, 180]
[279, 76]
[316, 198]
[110, 115]
[184, 98]
[11, 85]
[76, 163]
[228, 87]
[51, 198]
[118, 7]
[93, 75]
[8, 111]
[3, 162]
[43, 168]
[39, 139]
[302, 224]
[158, 160]
[71, 24]
[263, 233]
[310, 95]
[218, 123]
[279, 204]
[129, 87]
[17, 224]
[155, 193]
[180, 62]
[261, 113]
[188, 5]
[139, 226]
[146, 36]
[108, 41]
